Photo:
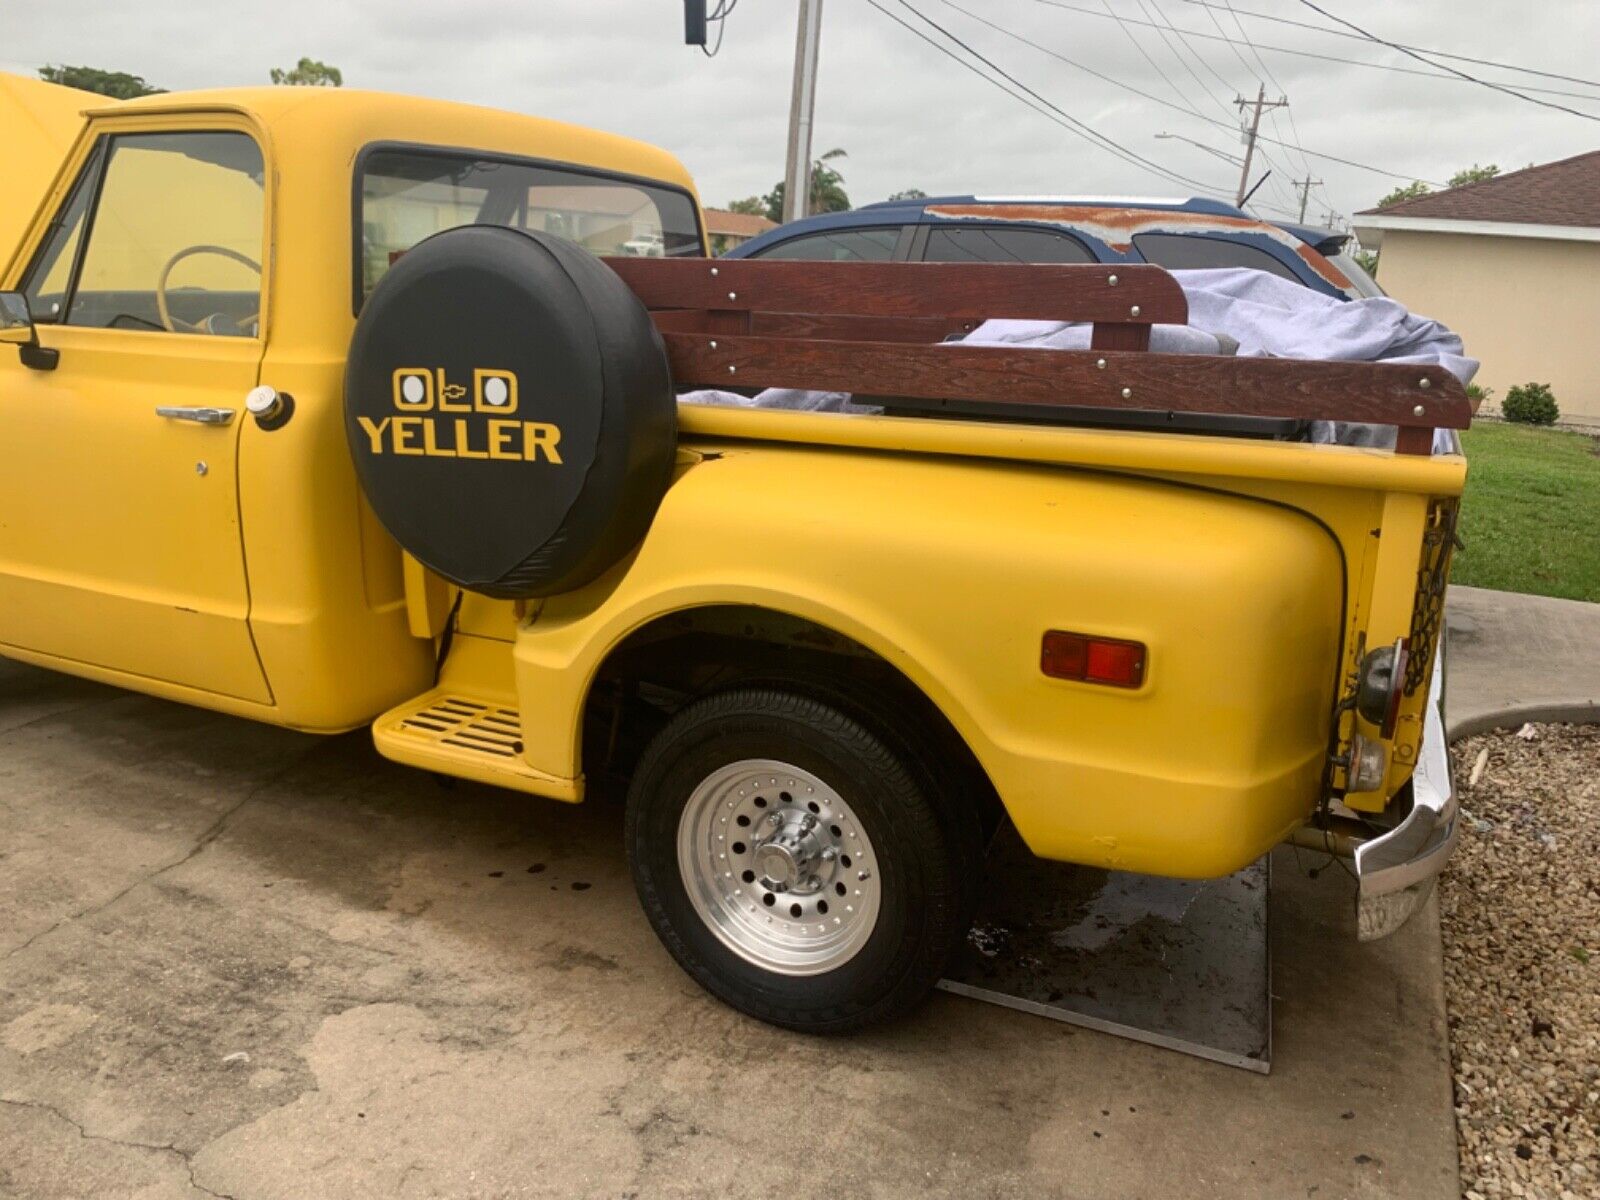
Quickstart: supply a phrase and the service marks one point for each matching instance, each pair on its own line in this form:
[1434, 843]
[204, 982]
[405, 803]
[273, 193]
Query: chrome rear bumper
[1396, 872]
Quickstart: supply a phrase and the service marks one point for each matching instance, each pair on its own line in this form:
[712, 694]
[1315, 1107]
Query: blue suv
[1170, 233]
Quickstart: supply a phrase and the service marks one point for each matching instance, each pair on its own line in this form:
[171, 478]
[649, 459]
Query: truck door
[120, 548]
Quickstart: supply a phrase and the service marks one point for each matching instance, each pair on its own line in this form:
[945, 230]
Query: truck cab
[170, 543]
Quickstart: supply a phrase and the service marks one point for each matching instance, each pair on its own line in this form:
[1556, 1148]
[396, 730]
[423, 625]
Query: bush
[1530, 404]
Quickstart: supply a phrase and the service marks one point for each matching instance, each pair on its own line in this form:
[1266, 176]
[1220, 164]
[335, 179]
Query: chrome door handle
[200, 416]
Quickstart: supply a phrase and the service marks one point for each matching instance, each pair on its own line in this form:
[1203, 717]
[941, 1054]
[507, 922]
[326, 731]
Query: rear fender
[951, 571]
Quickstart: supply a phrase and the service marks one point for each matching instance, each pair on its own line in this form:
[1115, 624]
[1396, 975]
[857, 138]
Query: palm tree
[827, 189]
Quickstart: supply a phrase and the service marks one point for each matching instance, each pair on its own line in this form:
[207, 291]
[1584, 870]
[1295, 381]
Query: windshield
[406, 195]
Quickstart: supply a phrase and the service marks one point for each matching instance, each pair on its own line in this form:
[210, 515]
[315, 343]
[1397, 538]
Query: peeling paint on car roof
[1117, 226]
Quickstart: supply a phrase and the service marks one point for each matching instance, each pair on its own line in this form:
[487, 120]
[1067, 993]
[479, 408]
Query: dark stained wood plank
[857, 328]
[824, 326]
[1378, 393]
[702, 320]
[1140, 293]
[1416, 439]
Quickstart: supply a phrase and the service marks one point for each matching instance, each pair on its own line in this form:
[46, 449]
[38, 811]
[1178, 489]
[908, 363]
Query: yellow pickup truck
[333, 409]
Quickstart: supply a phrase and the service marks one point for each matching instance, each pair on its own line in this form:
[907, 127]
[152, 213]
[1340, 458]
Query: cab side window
[162, 232]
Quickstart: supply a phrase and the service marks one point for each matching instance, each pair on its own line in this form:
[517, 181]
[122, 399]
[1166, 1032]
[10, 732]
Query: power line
[1353, 62]
[1036, 107]
[1272, 178]
[1087, 130]
[1198, 57]
[1294, 129]
[719, 17]
[1482, 62]
[1182, 62]
[1497, 87]
[1185, 109]
[1137, 45]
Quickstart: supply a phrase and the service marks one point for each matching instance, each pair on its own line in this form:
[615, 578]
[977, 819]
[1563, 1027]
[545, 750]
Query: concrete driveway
[243, 962]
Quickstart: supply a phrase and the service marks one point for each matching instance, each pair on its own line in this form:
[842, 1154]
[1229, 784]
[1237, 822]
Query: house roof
[1565, 193]
[720, 222]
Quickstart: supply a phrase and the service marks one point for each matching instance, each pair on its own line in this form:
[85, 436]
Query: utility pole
[802, 103]
[1305, 185]
[1259, 103]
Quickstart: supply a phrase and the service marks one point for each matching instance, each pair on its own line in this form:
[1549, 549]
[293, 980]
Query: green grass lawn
[1531, 517]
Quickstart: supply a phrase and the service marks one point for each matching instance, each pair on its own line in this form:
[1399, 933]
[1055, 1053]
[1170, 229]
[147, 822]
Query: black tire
[919, 851]
[509, 410]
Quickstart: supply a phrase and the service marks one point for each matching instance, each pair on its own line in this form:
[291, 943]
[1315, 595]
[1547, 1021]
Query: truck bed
[878, 330]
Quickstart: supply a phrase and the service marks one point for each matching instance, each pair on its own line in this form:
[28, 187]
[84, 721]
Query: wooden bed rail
[876, 329]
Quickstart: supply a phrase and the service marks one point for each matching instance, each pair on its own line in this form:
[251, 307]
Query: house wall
[1527, 307]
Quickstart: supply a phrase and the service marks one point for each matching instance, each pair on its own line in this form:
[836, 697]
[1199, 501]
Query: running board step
[466, 736]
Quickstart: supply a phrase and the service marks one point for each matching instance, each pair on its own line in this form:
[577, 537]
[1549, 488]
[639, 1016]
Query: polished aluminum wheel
[778, 867]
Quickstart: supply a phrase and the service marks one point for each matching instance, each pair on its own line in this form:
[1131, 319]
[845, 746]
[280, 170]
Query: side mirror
[16, 328]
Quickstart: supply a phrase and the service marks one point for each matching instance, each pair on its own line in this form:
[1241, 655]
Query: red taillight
[1110, 661]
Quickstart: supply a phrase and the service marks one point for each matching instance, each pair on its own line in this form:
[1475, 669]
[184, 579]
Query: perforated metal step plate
[1175, 963]
[456, 734]
[464, 724]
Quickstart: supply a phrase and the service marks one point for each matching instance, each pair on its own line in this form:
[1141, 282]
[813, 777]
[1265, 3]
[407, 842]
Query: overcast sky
[908, 115]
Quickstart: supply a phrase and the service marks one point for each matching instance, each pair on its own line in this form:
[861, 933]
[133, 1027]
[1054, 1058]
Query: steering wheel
[173, 324]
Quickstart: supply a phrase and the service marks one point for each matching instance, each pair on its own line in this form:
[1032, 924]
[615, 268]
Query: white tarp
[1231, 311]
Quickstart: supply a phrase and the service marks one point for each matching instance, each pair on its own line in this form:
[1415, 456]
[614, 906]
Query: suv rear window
[404, 195]
[1180, 251]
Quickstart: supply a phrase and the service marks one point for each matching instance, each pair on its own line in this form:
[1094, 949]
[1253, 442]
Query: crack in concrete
[209, 835]
[184, 1156]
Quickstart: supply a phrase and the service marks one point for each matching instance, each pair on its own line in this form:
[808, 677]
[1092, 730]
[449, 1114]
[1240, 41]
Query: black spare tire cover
[509, 407]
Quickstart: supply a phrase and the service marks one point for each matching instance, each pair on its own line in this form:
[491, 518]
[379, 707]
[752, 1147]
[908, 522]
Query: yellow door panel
[119, 527]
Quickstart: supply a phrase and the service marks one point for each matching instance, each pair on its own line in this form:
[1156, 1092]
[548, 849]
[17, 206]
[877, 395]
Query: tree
[119, 85]
[753, 206]
[308, 72]
[1409, 192]
[827, 189]
[910, 194]
[1473, 174]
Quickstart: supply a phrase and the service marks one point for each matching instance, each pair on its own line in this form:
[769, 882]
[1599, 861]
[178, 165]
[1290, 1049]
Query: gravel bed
[1520, 905]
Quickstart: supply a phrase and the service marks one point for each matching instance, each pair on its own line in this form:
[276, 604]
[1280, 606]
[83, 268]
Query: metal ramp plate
[1175, 963]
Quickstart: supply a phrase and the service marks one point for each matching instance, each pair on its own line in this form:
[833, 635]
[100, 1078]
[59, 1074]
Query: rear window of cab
[405, 194]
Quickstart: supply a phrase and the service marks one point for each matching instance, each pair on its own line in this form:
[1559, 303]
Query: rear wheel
[790, 862]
